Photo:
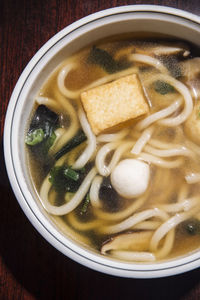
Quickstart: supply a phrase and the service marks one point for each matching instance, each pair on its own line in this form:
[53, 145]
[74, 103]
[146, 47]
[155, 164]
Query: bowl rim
[104, 265]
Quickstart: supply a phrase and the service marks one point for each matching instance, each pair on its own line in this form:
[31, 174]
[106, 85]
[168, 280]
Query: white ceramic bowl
[134, 18]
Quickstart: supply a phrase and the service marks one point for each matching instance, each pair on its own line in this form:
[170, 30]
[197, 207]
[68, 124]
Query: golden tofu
[114, 103]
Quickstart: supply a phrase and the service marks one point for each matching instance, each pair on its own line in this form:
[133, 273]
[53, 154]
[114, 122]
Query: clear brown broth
[159, 190]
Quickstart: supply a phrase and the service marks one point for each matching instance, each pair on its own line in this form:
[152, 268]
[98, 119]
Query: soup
[114, 148]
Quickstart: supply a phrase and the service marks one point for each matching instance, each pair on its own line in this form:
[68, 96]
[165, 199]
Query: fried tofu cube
[113, 103]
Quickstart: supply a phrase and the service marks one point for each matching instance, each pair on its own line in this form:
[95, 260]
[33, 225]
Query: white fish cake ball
[130, 178]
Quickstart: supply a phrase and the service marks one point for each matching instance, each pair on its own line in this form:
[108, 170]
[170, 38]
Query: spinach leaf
[41, 135]
[34, 137]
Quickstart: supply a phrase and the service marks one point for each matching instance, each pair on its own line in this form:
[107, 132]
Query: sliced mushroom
[135, 241]
[155, 50]
[169, 50]
[134, 256]
[191, 68]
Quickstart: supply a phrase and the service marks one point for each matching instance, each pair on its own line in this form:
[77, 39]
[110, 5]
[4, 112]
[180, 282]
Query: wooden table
[30, 268]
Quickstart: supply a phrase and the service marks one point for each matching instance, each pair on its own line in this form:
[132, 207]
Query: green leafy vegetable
[70, 173]
[65, 179]
[74, 142]
[41, 135]
[102, 58]
[34, 137]
[109, 196]
[44, 118]
[163, 87]
[85, 204]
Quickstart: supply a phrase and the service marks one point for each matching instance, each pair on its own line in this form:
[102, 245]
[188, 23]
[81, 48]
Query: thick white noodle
[133, 220]
[167, 246]
[94, 191]
[58, 132]
[184, 91]
[50, 103]
[81, 226]
[104, 169]
[159, 161]
[91, 142]
[71, 65]
[146, 59]
[112, 137]
[185, 205]
[101, 157]
[73, 203]
[142, 141]
[76, 94]
[73, 127]
[193, 147]
[192, 178]
[147, 225]
[183, 193]
[169, 225]
[163, 113]
[117, 216]
[180, 151]
[162, 145]
[188, 102]
[133, 256]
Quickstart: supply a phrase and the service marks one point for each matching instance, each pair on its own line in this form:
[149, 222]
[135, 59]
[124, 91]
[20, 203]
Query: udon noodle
[153, 213]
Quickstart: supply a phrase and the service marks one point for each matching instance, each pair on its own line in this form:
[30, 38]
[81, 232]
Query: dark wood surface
[30, 268]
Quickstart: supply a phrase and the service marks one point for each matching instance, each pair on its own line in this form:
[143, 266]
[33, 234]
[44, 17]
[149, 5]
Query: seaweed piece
[192, 226]
[163, 87]
[41, 135]
[103, 59]
[62, 182]
[108, 195]
[79, 138]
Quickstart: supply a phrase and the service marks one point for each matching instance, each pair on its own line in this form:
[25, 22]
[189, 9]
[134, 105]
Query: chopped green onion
[65, 179]
[70, 173]
[85, 204]
[34, 137]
